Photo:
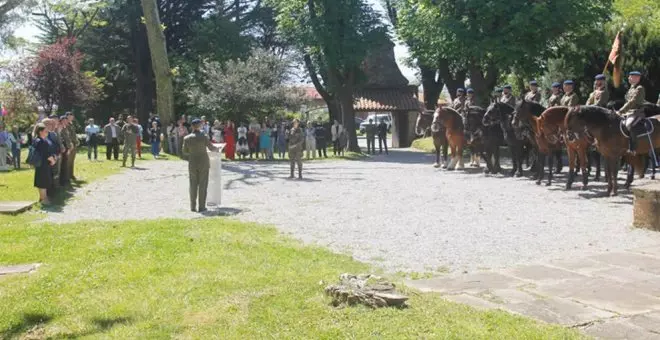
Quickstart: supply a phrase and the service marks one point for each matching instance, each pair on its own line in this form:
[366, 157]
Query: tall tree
[11, 14]
[67, 18]
[488, 38]
[160, 61]
[336, 36]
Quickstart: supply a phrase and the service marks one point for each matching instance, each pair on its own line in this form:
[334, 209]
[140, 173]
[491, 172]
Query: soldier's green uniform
[75, 143]
[555, 99]
[600, 95]
[130, 132]
[296, 139]
[533, 96]
[194, 148]
[65, 169]
[635, 98]
[508, 99]
[459, 104]
[570, 99]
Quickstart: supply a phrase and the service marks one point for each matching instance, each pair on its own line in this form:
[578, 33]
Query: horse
[452, 121]
[606, 127]
[424, 124]
[501, 114]
[550, 135]
[484, 140]
[525, 126]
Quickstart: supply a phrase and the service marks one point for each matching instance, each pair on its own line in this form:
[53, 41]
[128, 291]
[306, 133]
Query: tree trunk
[334, 109]
[482, 84]
[453, 81]
[159, 62]
[432, 87]
[348, 116]
[144, 82]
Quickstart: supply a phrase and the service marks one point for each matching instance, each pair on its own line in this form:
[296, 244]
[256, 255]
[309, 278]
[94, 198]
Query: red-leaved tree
[56, 78]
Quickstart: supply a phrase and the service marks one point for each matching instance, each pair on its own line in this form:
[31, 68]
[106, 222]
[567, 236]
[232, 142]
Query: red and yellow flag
[615, 58]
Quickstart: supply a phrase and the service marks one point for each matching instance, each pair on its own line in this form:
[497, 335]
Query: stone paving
[610, 296]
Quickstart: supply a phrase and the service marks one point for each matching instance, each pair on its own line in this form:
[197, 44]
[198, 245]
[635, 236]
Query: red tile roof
[385, 100]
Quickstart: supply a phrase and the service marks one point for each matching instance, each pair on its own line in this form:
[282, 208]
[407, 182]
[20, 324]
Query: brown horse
[452, 122]
[605, 127]
[424, 126]
[551, 134]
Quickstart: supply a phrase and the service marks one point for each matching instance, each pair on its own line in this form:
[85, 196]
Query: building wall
[403, 129]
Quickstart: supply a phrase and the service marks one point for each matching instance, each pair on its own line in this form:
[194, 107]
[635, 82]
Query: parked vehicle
[377, 117]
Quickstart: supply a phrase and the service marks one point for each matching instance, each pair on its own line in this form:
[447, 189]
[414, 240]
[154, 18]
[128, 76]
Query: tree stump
[646, 207]
[368, 290]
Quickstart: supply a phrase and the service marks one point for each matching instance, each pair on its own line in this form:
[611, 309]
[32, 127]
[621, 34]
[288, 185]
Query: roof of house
[386, 99]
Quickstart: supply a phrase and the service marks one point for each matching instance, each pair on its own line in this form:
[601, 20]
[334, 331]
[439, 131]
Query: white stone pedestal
[215, 177]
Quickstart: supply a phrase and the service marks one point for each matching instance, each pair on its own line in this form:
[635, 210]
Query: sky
[29, 32]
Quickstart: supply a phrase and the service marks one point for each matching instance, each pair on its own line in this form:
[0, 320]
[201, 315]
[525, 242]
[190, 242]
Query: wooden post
[646, 207]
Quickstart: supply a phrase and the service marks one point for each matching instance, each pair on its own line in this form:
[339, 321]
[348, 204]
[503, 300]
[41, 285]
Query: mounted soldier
[555, 98]
[600, 96]
[533, 95]
[471, 100]
[459, 102]
[634, 99]
[507, 97]
[570, 98]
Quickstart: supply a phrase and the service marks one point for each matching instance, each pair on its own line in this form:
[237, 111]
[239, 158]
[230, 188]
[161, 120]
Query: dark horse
[605, 127]
[424, 126]
[524, 119]
[484, 140]
[502, 114]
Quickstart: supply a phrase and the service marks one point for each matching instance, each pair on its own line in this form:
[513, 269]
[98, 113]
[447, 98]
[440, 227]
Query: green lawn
[424, 144]
[212, 279]
[18, 185]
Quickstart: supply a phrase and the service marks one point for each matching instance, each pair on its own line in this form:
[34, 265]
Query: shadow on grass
[103, 324]
[28, 323]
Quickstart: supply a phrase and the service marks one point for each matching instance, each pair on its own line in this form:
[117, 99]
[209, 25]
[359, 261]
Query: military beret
[62, 117]
[508, 87]
[469, 90]
[533, 83]
[68, 113]
[196, 121]
[635, 73]
[569, 82]
[556, 84]
[460, 90]
[600, 77]
[498, 89]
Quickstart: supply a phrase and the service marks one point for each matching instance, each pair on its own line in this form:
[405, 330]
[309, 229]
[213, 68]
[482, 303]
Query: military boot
[292, 170]
[299, 173]
[633, 143]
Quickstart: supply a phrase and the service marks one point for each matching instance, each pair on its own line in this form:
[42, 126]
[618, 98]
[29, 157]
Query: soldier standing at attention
[371, 137]
[131, 132]
[459, 102]
[555, 98]
[65, 135]
[296, 139]
[600, 96]
[75, 144]
[507, 97]
[194, 148]
[570, 98]
[635, 97]
[533, 95]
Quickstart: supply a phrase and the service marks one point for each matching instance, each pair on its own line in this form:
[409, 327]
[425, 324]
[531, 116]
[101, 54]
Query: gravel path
[395, 211]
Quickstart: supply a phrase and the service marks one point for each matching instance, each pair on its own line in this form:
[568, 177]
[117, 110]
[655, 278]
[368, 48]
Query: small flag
[615, 58]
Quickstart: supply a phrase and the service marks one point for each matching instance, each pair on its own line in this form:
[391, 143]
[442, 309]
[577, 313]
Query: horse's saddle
[642, 128]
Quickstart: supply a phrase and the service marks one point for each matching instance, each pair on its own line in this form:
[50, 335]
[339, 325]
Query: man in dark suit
[382, 136]
[111, 133]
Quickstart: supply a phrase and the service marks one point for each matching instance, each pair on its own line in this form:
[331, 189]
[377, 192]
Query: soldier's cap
[62, 117]
[569, 82]
[498, 89]
[556, 84]
[599, 77]
[635, 73]
[196, 121]
[53, 116]
[508, 87]
[469, 90]
[460, 89]
[68, 113]
[533, 83]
